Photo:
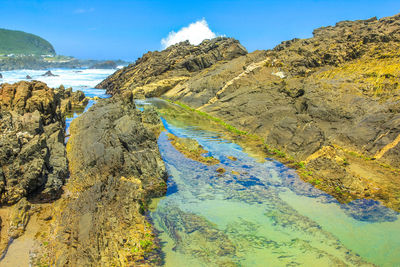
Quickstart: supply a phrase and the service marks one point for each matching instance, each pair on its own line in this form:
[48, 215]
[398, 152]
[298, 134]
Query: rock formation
[157, 72]
[32, 152]
[115, 170]
[48, 74]
[332, 101]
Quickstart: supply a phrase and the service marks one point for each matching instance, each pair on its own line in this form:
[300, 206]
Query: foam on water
[81, 79]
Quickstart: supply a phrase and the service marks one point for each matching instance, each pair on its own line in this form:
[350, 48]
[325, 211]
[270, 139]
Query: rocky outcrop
[1, 76]
[71, 101]
[177, 62]
[48, 74]
[32, 152]
[109, 64]
[331, 101]
[115, 170]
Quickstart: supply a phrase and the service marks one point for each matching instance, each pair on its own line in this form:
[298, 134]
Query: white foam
[67, 77]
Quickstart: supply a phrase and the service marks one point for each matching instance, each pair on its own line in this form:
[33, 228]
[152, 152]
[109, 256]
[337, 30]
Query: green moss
[315, 182]
[308, 173]
[300, 165]
[145, 244]
[208, 116]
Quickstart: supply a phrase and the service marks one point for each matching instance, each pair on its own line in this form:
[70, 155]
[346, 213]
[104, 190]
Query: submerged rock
[28, 77]
[192, 149]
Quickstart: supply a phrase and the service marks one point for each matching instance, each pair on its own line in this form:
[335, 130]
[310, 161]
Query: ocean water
[79, 79]
[260, 213]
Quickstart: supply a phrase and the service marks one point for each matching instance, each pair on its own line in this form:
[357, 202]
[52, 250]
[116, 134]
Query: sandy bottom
[19, 251]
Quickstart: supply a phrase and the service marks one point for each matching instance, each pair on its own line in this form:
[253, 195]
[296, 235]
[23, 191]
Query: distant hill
[18, 42]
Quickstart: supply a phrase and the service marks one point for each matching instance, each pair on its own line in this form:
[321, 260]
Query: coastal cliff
[329, 103]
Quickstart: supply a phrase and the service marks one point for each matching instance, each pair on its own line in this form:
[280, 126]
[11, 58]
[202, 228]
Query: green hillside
[18, 42]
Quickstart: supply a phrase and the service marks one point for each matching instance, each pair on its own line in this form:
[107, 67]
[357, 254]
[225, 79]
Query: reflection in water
[259, 213]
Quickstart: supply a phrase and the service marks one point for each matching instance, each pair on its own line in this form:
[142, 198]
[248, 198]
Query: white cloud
[196, 32]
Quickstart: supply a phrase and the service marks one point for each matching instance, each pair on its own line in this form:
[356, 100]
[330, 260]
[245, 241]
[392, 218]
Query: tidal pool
[258, 213]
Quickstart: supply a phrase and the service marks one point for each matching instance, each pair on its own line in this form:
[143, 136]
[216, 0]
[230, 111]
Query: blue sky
[127, 29]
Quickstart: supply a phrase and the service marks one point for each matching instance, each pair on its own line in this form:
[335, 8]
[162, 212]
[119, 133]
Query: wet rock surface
[115, 170]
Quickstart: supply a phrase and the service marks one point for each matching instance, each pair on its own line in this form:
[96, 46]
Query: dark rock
[1, 76]
[180, 60]
[115, 170]
[49, 74]
[28, 77]
[32, 152]
[312, 99]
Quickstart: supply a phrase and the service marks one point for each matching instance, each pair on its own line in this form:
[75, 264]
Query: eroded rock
[115, 170]
[32, 152]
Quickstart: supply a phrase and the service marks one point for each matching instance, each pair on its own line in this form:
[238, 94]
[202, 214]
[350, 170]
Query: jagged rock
[32, 152]
[177, 61]
[49, 74]
[28, 77]
[115, 170]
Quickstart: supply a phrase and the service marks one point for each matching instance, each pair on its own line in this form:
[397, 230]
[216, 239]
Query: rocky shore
[329, 103]
[32, 150]
[115, 169]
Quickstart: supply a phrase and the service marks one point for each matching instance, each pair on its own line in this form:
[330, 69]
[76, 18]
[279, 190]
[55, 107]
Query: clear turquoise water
[263, 216]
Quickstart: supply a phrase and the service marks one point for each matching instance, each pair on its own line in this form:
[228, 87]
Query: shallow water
[259, 213]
